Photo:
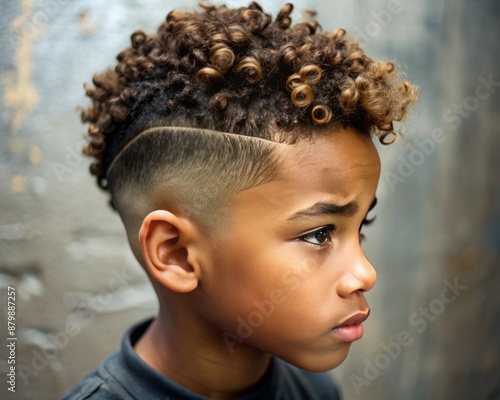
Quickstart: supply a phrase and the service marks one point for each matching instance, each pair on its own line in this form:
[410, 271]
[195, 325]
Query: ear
[165, 252]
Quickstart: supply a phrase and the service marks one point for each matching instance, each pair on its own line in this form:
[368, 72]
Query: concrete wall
[438, 219]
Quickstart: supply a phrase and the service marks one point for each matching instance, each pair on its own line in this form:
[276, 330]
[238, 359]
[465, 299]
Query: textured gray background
[65, 251]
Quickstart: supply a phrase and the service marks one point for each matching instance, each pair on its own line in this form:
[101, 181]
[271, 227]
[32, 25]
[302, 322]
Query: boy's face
[288, 269]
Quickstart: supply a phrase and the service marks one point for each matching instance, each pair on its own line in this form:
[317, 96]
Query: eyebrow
[322, 208]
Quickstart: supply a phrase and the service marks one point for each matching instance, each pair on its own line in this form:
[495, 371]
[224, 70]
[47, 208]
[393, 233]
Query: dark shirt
[124, 375]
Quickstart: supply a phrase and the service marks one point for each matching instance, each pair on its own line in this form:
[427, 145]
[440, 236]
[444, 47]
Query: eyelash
[365, 222]
[330, 228]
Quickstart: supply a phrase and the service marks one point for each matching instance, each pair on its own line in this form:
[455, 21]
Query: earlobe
[165, 256]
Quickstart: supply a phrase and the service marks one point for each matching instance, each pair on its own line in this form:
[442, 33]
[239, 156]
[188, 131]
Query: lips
[355, 319]
[351, 329]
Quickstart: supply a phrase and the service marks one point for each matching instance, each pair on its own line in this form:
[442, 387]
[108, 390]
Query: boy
[238, 153]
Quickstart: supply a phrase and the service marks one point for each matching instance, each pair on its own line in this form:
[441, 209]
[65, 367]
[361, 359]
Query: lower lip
[349, 333]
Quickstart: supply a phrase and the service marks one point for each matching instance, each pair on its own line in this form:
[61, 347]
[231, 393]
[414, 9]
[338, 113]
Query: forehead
[341, 167]
[340, 164]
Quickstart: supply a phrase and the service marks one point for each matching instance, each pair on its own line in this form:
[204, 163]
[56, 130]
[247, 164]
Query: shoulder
[98, 385]
[118, 376]
[310, 385]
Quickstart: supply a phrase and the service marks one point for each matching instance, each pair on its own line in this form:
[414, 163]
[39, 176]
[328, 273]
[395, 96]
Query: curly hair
[240, 71]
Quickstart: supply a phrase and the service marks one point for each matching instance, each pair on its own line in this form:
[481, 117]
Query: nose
[358, 275]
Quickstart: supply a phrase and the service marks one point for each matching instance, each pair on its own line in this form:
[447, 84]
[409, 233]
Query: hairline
[156, 129]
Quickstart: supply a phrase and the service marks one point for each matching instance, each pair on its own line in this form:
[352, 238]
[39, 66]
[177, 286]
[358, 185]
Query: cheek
[309, 287]
[297, 288]
[284, 291]
[309, 300]
[241, 275]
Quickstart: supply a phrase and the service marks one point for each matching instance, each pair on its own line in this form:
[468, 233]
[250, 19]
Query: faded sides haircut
[189, 170]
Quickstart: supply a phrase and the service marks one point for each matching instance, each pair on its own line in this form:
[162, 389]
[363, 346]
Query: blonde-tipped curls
[251, 69]
[310, 74]
[321, 114]
[300, 85]
[222, 57]
[238, 35]
[302, 96]
[210, 76]
[293, 81]
[383, 137]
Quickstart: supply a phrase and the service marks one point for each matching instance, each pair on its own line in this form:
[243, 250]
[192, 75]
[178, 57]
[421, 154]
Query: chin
[320, 362]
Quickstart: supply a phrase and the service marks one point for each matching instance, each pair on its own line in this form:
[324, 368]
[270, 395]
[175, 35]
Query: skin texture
[263, 264]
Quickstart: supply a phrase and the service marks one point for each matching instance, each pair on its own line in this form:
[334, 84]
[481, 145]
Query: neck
[200, 362]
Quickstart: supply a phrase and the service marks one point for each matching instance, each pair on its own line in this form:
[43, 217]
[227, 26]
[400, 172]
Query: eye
[320, 236]
[365, 222]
